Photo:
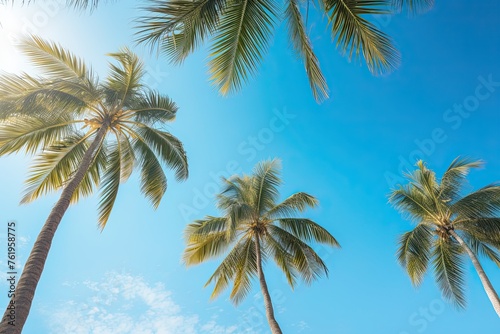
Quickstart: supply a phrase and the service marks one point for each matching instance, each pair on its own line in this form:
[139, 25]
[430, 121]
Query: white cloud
[301, 326]
[126, 304]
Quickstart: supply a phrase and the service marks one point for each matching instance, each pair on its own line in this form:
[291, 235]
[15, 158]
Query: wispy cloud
[123, 304]
[301, 326]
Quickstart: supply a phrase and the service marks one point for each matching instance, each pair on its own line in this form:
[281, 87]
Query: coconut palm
[86, 134]
[240, 33]
[449, 227]
[254, 228]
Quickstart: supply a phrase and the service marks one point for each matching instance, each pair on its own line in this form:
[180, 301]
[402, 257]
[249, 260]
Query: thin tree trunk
[275, 328]
[14, 319]
[490, 291]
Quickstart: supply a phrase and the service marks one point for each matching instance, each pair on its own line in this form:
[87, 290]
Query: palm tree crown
[449, 226]
[87, 134]
[253, 216]
[240, 33]
[61, 114]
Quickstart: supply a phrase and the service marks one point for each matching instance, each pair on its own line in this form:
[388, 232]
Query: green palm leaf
[110, 184]
[484, 202]
[449, 268]
[298, 202]
[414, 252]
[309, 265]
[356, 36]
[55, 62]
[246, 269]
[32, 133]
[168, 148]
[307, 230]
[125, 79]
[153, 179]
[154, 108]
[241, 39]
[283, 259]
[454, 177]
[302, 45]
[179, 26]
[265, 185]
[54, 167]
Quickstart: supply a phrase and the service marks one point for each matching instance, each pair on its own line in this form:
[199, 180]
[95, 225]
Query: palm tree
[448, 227]
[240, 33]
[87, 134]
[255, 227]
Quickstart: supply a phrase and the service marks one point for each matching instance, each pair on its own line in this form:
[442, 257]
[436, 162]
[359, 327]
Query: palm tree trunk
[14, 320]
[490, 291]
[275, 328]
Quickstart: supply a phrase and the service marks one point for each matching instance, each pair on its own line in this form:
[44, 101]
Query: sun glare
[11, 30]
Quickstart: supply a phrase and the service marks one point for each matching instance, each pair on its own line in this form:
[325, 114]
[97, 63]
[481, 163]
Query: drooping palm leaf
[240, 42]
[449, 269]
[356, 36]
[302, 46]
[414, 252]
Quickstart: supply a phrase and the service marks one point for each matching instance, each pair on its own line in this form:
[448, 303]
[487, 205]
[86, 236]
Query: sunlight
[11, 29]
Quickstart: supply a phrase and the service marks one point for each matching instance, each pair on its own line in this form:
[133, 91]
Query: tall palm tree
[448, 227]
[86, 134]
[255, 228]
[240, 33]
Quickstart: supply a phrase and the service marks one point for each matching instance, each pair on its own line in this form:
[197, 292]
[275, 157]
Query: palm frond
[283, 259]
[236, 190]
[225, 272]
[202, 247]
[85, 4]
[241, 40]
[28, 96]
[413, 6]
[298, 202]
[302, 45]
[307, 230]
[265, 182]
[127, 156]
[168, 148]
[92, 177]
[205, 226]
[412, 203]
[414, 252]
[485, 229]
[54, 167]
[357, 36]
[178, 27]
[153, 108]
[482, 248]
[454, 178]
[246, 269]
[449, 270]
[153, 179]
[32, 133]
[484, 202]
[56, 62]
[307, 263]
[110, 184]
[124, 79]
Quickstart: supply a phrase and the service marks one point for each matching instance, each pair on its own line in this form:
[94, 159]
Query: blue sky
[442, 102]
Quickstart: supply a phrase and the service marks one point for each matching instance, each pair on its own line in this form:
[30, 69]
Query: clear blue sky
[348, 152]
